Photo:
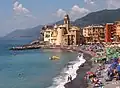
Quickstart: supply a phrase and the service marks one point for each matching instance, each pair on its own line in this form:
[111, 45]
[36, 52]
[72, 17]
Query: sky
[22, 14]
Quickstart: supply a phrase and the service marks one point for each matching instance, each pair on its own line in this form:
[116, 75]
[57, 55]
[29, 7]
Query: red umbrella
[89, 73]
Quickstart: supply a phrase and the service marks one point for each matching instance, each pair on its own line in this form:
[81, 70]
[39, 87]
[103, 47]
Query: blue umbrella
[118, 68]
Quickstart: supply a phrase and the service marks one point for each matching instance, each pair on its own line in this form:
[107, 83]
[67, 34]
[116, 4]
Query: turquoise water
[30, 69]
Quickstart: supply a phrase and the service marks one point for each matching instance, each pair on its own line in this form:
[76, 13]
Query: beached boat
[54, 58]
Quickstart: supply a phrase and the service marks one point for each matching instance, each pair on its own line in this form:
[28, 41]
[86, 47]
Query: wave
[70, 69]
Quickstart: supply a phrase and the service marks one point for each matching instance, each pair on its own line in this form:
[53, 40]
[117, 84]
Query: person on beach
[72, 66]
[118, 72]
[67, 66]
[70, 78]
[82, 65]
[113, 70]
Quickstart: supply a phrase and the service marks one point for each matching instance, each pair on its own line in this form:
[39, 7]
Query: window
[47, 35]
[52, 34]
[102, 35]
[93, 30]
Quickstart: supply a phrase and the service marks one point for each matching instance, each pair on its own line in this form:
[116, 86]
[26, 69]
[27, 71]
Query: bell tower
[67, 22]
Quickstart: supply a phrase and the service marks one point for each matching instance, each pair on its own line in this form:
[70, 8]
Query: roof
[110, 23]
[49, 26]
[61, 26]
[93, 26]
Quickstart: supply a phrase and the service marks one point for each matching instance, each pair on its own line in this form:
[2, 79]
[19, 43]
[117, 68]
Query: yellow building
[117, 31]
[65, 34]
[93, 34]
[50, 35]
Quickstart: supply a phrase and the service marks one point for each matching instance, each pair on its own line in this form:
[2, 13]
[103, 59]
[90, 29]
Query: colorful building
[65, 34]
[117, 31]
[93, 34]
[109, 32]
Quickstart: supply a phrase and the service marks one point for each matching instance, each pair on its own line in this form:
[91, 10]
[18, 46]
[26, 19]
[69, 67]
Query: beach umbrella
[101, 58]
[109, 57]
[118, 54]
[89, 73]
[118, 68]
[115, 59]
[108, 51]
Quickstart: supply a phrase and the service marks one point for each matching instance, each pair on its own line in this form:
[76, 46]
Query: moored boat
[54, 58]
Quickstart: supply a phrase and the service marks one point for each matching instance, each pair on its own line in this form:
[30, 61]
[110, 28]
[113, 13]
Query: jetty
[26, 47]
[39, 46]
[63, 48]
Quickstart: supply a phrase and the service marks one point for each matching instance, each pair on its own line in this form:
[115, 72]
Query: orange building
[109, 32]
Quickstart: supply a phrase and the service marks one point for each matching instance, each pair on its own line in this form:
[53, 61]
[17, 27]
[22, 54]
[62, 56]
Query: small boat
[54, 58]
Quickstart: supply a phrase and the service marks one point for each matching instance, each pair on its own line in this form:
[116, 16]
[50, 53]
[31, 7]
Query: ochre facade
[117, 31]
[65, 34]
[93, 34]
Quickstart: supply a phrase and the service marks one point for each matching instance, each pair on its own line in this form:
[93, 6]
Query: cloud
[113, 4]
[89, 1]
[75, 12]
[60, 13]
[21, 19]
[19, 9]
[103, 4]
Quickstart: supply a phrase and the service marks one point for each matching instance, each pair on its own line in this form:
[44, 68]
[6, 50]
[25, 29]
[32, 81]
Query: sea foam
[62, 79]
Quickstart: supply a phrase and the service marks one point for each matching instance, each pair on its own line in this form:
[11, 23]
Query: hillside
[61, 22]
[99, 17]
[30, 33]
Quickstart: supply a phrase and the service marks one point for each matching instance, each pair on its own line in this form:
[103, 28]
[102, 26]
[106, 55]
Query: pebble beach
[90, 65]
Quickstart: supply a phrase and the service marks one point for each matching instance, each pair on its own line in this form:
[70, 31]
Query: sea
[33, 68]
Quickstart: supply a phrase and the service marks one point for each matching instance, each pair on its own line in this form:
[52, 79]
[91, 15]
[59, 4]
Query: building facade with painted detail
[112, 32]
[94, 34]
[65, 34]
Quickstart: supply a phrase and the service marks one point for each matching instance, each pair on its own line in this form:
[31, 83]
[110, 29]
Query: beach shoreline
[79, 81]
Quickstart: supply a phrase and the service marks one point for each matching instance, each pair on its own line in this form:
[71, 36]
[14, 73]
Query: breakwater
[26, 47]
[64, 48]
[37, 46]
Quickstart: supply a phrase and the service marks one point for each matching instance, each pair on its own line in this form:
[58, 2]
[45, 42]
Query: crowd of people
[113, 71]
[110, 64]
[94, 77]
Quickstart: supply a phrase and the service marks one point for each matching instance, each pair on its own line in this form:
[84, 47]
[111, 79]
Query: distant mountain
[62, 22]
[99, 17]
[59, 22]
[29, 33]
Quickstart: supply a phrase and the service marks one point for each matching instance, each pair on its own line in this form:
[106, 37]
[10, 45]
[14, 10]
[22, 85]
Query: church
[64, 34]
